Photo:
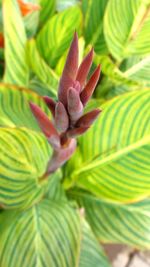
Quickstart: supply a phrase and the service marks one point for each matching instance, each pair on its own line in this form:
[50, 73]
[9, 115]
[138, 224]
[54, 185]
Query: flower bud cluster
[68, 120]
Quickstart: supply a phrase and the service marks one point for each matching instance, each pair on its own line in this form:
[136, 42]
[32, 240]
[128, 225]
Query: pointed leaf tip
[88, 119]
[46, 125]
[84, 68]
[70, 70]
[71, 65]
[76, 132]
[50, 103]
[90, 86]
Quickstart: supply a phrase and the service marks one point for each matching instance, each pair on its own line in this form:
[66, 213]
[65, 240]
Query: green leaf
[16, 71]
[57, 34]
[116, 76]
[24, 158]
[47, 10]
[63, 4]
[116, 150]
[48, 234]
[126, 28]
[31, 22]
[45, 74]
[91, 251]
[93, 27]
[14, 107]
[138, 70]
[55, 190]
[117, 223]
[40, 88]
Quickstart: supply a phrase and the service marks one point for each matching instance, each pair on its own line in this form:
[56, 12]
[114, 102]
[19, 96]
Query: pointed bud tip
[32, 105]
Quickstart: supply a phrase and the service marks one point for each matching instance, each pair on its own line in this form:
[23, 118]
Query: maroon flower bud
[76, 132]
[61, 118]
[67, 113]
[90, 86]
[77, 86]
[75, 107]
[87, 119]
[46, 125]
[50, 103]
[84, 68]
[70, 71]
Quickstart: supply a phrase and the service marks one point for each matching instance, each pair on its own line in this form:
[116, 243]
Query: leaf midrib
[88, 166]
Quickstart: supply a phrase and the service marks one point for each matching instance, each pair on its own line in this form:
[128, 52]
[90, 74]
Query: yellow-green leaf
[50, 234]
[24, 155]
[57, 34]
[16, 70]
[116, 151]
[117, 223]
[126, 28]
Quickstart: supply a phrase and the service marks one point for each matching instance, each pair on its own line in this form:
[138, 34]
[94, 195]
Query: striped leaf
[39, 87]
[24, 158]
[45, 74]
[14, 107]
[55, 190]
[138, 69]
[57, 34]
[91, 252]
[116, 76]
[31, 22]
[48, 234]
[116, 151]
[93, 24]
[126, 28]
[115, 223]
[47, 10]
[16, 71]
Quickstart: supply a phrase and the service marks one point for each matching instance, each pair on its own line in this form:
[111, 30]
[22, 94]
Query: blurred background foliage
[118, 31]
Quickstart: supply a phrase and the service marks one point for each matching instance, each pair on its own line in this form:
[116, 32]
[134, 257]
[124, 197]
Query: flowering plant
[74, 146]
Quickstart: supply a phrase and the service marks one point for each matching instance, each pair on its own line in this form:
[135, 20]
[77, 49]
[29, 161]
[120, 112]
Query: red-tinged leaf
[61, 118]
[61, 156]
[75, 107]
[76, 132]
[84, 68]
[1, 40]
[46, 125]
[27, 8]
[65, 83]
[51, 104]
[90, 86]
[87, 119]
[70, 70]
